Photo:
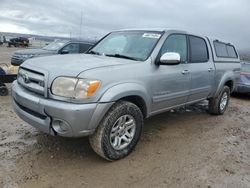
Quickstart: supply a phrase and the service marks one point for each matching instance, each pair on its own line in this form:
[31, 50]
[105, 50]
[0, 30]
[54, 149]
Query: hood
[72, 65]
[33, 51]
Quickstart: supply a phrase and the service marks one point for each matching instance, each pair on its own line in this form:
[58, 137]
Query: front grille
[32, 80]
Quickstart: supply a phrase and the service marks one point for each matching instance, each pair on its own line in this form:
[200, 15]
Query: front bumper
[79, 119]
[242, 88]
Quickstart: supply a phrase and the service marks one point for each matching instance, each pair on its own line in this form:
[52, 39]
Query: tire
[218, 105]
[125, 121]
[3, 90]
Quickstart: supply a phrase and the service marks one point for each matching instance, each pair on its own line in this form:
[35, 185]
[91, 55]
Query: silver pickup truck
[127, 76]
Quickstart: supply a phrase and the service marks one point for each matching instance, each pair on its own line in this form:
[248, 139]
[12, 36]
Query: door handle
[210, 69]
[185, 72]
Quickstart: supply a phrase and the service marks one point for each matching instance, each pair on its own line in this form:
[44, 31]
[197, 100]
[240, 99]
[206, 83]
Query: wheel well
[230, 85]
[138, 101]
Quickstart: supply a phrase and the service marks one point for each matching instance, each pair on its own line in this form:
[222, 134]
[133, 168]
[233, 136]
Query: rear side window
[198, 50]
[84, 47]
[231, 51]
[220, 49]
[224, 50]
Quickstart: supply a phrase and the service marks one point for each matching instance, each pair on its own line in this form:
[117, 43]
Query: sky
[227, 20]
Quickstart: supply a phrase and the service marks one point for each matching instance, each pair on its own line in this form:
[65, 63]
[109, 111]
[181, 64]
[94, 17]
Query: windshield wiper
[122, 56]
[93, 52]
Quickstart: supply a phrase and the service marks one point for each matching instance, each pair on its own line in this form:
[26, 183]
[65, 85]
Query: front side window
[135, 45]
[71, 48]
[55, 45]
[198, 50]
[176, 43]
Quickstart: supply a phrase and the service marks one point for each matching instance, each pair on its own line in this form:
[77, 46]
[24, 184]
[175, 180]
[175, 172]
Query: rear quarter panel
[226, 71]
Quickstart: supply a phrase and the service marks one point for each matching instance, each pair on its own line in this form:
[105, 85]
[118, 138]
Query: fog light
[60, 126]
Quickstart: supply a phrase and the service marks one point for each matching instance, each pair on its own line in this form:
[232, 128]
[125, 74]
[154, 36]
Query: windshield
[55, 45]
[135, 45]
[245, 67]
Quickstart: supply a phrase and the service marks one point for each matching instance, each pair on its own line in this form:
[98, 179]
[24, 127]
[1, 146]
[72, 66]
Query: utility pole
[81, 26]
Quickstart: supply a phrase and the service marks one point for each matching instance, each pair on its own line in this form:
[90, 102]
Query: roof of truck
[152, 29]
[174, 30]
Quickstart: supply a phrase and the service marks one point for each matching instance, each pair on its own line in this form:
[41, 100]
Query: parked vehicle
[19, 42]
[1, 42]
[7, 75]
[243, 82]
[57, 47]
[3, 87]
[4, 39]
[126, 77]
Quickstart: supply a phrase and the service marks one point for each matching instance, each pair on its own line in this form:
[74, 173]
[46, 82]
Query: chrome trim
[32, 80]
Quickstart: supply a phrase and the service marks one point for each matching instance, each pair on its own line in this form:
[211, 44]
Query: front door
[171, 83]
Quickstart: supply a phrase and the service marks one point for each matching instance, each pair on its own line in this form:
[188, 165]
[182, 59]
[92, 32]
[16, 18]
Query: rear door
[202, 69]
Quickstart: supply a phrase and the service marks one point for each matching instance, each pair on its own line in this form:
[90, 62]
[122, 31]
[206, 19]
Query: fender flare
[229, 76]
[123, 90]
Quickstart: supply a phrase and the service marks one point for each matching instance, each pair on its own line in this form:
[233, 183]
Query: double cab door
[187, 82]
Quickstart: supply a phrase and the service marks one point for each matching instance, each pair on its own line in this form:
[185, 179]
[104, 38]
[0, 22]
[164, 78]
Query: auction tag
[151, 35]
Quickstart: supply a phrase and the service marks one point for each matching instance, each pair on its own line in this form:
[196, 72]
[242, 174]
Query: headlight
[28, 56]
[74, 87]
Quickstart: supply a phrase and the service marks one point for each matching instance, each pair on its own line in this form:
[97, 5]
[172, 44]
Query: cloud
[223, 19]
[6, 27]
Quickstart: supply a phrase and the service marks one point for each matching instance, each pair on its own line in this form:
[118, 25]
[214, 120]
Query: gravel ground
[182, 148]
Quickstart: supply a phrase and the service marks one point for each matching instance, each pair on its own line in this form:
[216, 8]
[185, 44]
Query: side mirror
[64, 52]
[170, 58]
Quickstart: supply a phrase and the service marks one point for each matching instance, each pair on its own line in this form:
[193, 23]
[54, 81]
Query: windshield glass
[55, 45]
[245, 67]
[135, 45]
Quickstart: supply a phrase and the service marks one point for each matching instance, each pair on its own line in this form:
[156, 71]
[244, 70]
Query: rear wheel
[119, 131]
[218, 106]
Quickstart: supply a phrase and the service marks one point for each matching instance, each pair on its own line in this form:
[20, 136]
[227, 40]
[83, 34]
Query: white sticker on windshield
[151, 35]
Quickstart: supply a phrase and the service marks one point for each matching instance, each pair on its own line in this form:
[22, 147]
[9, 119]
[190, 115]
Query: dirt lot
[184, 148]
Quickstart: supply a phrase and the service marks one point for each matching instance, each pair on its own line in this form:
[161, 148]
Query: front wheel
[218, 106]
[119, 131]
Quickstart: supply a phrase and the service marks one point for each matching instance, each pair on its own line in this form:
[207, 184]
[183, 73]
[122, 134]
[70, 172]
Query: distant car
[243, 82]
[57, 47]
[20, 41]
[1, 43]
